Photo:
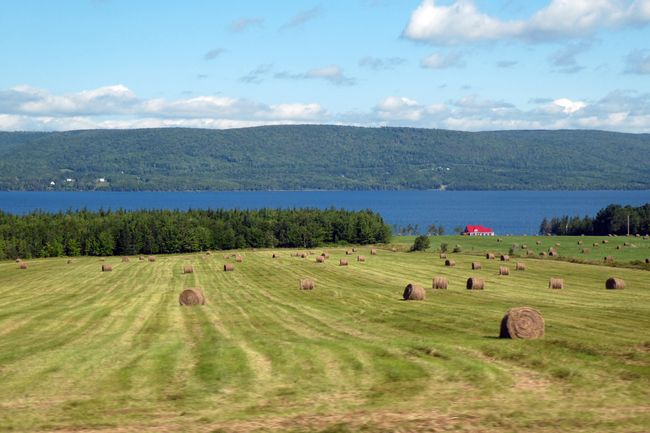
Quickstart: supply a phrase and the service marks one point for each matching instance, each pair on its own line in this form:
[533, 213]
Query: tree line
[121, 232]
[612, 219]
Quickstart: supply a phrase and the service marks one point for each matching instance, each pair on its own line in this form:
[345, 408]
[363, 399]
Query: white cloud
[399, 108]
[568, 106]
[638, 62]
[332, 73]
[245, 23]
[439, 61]
[463, 22]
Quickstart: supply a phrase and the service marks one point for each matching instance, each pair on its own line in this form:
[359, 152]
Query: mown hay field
[82, 349]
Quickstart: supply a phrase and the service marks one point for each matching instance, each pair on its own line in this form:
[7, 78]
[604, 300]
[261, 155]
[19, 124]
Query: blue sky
[468, 65]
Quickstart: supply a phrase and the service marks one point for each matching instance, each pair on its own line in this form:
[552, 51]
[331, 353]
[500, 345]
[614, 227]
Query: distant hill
[322, 157]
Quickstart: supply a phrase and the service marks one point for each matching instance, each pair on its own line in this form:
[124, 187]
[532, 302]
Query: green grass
[82, 349]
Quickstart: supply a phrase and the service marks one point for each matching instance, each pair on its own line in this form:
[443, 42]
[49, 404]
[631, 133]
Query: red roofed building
[478, 231]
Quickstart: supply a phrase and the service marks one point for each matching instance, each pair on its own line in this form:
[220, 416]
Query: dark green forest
[108, 233]
[322, 157]
[612, 219]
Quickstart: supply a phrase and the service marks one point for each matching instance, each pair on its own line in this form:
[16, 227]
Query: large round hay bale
[490, 256]
[499, 240]
[107, 268]
[605, 241]
[361, 259]
[307, 284]
[343, 262]
[141, 258]
[618, 247]
[542, 254]
[476, 265]
[520, 266]
[354, 250]
[586, 251]
[226, 256]
[275, 255]
[188, 269]
[373, 252]
[413, 292]
[557, 244]
[474, 283]
[626, 244]
[393, 249]
[440, 282]
[191, 296]
[505, 257]
[239, 258]
[443, 255]
[325, 255]
[503, 270]
[552, 253]
[538, 242]
[22, 265]
[522, 323]
[524, 247]
[320, 259]
[556, 283]
[303, 255]
[228, 267]
[579, 242]
[18, 260]
[614, 284]
[125, 259]
[608, 259]
[595, 244]
[151, 258]
[450, 262]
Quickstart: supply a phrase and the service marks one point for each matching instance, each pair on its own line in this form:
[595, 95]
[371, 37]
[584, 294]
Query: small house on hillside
[478, 231]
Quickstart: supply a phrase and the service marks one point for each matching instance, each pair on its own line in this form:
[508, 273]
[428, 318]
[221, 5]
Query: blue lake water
[515, 212]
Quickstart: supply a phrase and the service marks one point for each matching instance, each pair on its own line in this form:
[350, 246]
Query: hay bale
[343, 262]
[522, 323]
[443, 255]
[18, 260]
[626, 244]
[474, 283]
[303, 255]
[239, 258]
[191, 296]
[325, 255]
[557, 244]
[542, 254]
[373, 252]
[226, 256]
[524, 247]
[503, 270]
[579, 242]
[275, 256]
[556, 283]
[103, 259]
[595, 244]
[141, 258]
[23, 265]
[320, 259]
[151, 258]
[125, 259]
[69, 261]
[586, 251]
[413, 292]
[476, 265]
[228, 267]
[450, 262]
[608, 259]
[538, 242]
[188, 269]
[490, 256]
[307, 284]
[499, 240]
[394, 249]
[605, 241]
[552, 253]
[348, 252]
[354, 250]
[107, 268]
[520, 266]
[505, 257]
[361, 259]
[440, 282]
[647, 260]
[614, 284]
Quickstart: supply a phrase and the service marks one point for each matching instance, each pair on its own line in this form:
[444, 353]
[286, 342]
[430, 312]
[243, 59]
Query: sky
[456, 64]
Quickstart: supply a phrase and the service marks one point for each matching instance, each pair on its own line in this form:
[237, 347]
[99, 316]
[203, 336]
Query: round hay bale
[520, 266]
[524, 247]
[618, 247]
[474, 283]
[556, 283]
[191, 296]
[557, 244]
[542, 254]
[450, 262]
[522, 323]
[69, 261]
[552, 253]
[538, 242]
[626, 244]
[443, 255]
[307, 284]
[325, 255]
[580, 242]
[228, 267]
[151, 258]
[595, 244]
[343, 262]
[499, 240]
[348, 252]
[373, 252]
[275, 256]
[413, 292]
[188, 269]
[505, 257]
[586, 251]
[361, 259]
[614, 284]
[320, 259]
[440, 282]
[226, 256]
[394, 249]
[18, 260]
[125, 259]
[490, 256]
[23, 265]
[647, 260]
[354, 250]
[107, 268]
[605, 241]
[530, 253]
[503, 270]
[608, 259]
[239, 258]
[476, 265]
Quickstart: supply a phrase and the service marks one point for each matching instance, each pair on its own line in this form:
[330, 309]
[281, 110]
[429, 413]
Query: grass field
[82, 350]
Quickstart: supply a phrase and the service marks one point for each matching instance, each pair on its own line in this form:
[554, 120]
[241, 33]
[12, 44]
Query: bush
[421, 243]
[444, 247]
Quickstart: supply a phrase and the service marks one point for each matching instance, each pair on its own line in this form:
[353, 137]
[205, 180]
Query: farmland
[82, 349]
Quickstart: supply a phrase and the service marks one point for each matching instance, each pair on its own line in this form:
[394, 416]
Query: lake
[514, 212]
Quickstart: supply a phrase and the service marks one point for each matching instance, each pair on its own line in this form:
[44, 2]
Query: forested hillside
[322, 157]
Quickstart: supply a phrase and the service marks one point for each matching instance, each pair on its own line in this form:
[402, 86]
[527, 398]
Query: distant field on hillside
[82, 349]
